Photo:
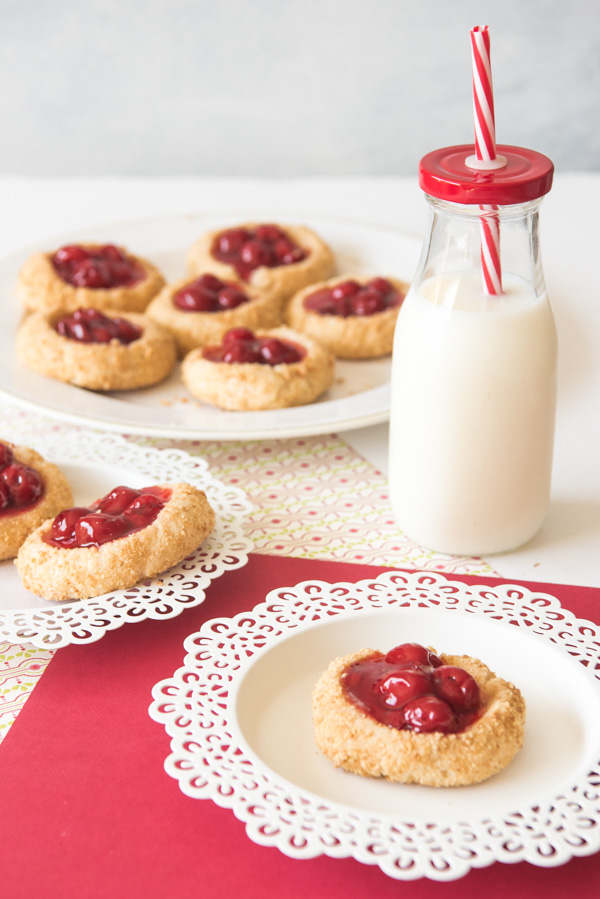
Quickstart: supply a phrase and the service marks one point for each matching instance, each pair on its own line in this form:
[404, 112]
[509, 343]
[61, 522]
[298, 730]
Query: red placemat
[88, 811]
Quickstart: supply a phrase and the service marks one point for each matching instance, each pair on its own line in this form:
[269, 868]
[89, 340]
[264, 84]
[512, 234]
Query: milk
[472, 414]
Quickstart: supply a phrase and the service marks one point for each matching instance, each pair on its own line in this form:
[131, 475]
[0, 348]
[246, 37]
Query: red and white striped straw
[483, 96]
[485, 152]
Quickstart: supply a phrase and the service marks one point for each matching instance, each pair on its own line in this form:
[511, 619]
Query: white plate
[94, 464]
[359, 397]
[239, 714]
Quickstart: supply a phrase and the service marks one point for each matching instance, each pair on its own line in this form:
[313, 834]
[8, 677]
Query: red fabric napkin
[88, 811]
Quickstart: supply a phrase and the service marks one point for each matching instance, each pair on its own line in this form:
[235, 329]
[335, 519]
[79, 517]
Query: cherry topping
[456, 686]
[242, 345]
[246, 249]
[209, 294]
[20, 486]
[23, 485]
[96, 267]
[350, 298]
[96, 528]
[92, 326]
[429, 713]
[121, 512]
[411, 689]
[413, 652]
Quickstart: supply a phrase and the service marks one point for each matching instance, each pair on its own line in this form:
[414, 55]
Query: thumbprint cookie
[31, 490]
[103, 276]
[354, 317]
[263, 370]
[412, 716]
[199, 312]
[92, 349]
[125, 537]
[281, 258]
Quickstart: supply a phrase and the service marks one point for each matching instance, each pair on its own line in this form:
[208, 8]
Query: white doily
[222, 707]
[108, 460]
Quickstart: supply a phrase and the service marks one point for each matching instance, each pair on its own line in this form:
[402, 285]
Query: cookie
[199, 312]
[475, 742]
[278, 258]
[270, 369]
[31, 490]
[101, 276]
[90, 349]
[353, 316]
[125, 537]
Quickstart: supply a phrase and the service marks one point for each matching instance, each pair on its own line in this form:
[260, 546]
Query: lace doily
[212, 758]
[52, 625]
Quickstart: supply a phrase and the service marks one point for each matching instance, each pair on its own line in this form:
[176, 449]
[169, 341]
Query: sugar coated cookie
[31, 490]
[280, 258]
[126, 536]
[103, 276]
[263, 370]
[414, 717]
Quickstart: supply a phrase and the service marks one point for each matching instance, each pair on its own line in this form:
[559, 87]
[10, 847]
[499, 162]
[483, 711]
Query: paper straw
[485, 152]
[483, 96]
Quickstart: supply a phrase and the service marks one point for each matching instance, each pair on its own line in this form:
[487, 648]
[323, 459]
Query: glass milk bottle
[473, 372]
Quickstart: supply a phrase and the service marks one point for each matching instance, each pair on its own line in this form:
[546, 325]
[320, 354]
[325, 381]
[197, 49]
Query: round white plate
[239, 713]
[94, 464]
[360, 395]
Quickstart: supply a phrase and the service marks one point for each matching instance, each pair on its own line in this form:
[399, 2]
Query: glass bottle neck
[463, 240]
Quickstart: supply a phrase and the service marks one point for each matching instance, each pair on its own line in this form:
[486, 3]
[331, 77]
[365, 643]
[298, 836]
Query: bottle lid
[448, 174]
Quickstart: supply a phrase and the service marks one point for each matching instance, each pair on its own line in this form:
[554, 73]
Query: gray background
[303, 87]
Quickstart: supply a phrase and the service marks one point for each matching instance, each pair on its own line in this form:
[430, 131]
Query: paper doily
[52, 625]
[242, 683]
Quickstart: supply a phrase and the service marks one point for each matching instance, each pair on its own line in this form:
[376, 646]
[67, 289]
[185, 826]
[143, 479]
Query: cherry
[350, 298]
[195, 298]
[367, 302]
[6, 455]
[143, 510]
[63, 525]
[268, 233]
[230, 242]
[412, 652]
[404, 684]
[238, 335]
[24, 484]
[382, 285]
[111, 252]
[277, 352]
[209, 294]
[345, 289]
[96, 528]
[96, 267]
[241, 352]
[211, 282]
[456, 687]
[92, 326]
[429, 713]
[248, 248]
[231, 298]
[240, 345]
[115, 502]
[70, 254]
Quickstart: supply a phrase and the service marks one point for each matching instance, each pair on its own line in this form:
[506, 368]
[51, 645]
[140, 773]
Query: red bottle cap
[446, 174]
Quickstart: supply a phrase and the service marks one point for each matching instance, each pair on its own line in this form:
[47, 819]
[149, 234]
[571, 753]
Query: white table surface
[567, 548]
